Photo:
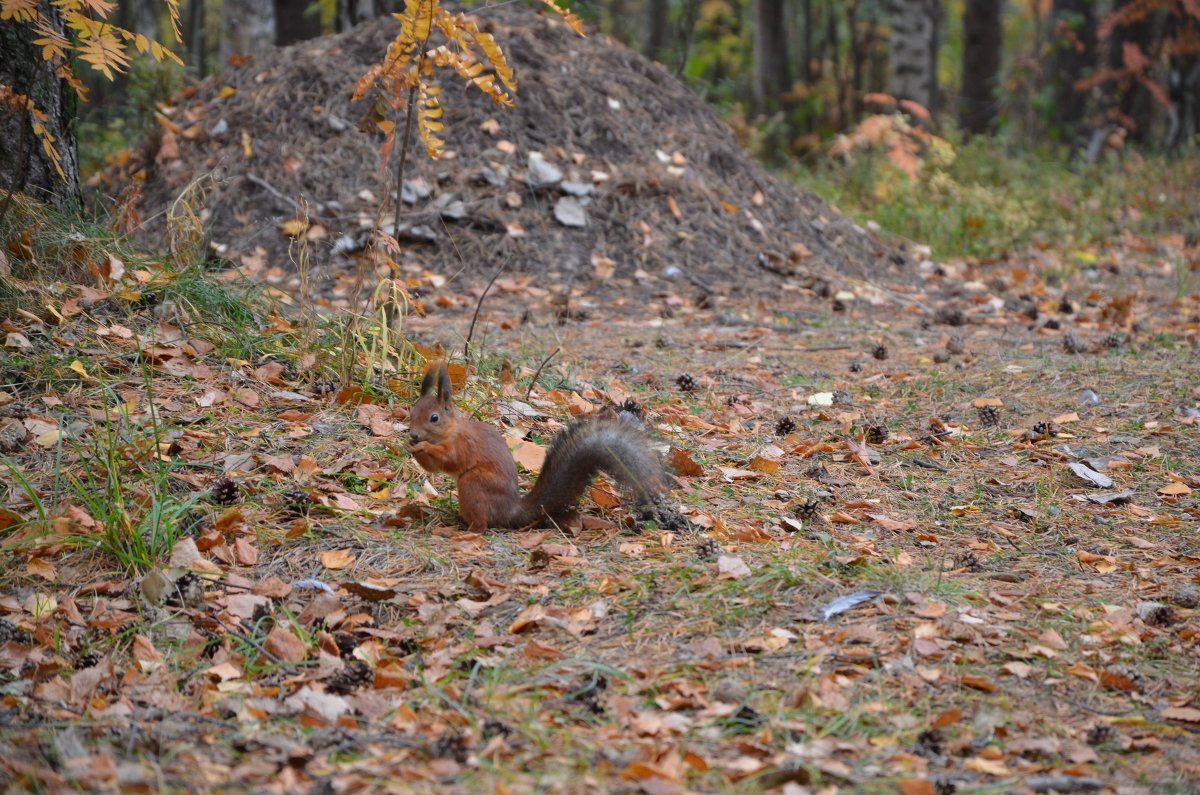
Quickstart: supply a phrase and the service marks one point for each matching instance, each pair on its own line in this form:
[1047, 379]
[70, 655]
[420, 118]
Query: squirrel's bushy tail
[585, 448]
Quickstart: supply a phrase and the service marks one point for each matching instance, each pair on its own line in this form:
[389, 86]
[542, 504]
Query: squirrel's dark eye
[433, 417]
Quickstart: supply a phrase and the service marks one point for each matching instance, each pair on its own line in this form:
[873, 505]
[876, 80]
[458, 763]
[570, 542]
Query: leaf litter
[988, 623]
[223, 571]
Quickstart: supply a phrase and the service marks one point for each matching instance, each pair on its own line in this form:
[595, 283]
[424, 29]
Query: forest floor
[943, 538]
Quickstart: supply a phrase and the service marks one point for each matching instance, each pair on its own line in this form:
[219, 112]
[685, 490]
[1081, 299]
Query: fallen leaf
[285, 646]
[338, 558]
[732, 567]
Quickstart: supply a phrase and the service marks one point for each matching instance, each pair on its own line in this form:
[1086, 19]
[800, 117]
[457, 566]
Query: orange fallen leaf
[916, 786]
[536, 650]
[683, 463]
[40, 567]
[979, 683]
[285, 646]
[529, 455]
[338, 558]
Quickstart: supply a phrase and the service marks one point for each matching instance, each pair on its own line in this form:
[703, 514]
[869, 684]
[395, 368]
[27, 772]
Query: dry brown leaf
[338, 558]
[285, 646]
[683, 463]
[529, 455]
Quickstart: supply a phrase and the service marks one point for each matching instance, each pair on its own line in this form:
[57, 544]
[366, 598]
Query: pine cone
[297, 501]
[785, 426]
[950, 316]
[686, 382]
[1065, 306]
[816, 471]
[809, 510]
[1100, 733]
[989, 416]
[631, 406]
[880, 351]
[856, 367]
[842, 397]
[1045, 428]
[225, 492]
[449, 746]
[12, 435]
[10, 632]
[354, 676]
[1115, 340]
[876, 432]
[1072, 343]
[17, 409]
[708, 547]
[944, 786]
[955, 345]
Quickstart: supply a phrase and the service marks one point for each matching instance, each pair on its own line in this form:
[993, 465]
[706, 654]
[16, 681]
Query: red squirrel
[475, 455]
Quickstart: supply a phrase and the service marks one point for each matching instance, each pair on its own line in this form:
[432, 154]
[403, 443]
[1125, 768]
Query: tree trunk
[247, 26]
[1074, 57]
[1183, 80]
[352, 12]
[772, 69]
[914, 52]
[293, 24]
[806, 69]
[24, 163]
[195, 39]
[656, 29]
[857, 55]
[1130, 96]
[982, 40]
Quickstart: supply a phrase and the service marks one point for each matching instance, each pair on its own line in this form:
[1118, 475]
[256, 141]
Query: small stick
[538, 372]
[475, 317]
[278, 194]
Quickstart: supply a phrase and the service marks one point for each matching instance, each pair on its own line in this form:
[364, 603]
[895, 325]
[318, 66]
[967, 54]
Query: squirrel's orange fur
[475, 455]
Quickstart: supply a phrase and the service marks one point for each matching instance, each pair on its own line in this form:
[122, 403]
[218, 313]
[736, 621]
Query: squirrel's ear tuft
[430, 379]
[445, 391]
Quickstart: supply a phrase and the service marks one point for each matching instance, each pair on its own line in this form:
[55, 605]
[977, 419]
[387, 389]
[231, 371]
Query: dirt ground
[933, 545]
[940, 521]
[652, 183]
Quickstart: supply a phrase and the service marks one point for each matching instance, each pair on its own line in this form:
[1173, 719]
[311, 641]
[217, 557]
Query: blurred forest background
[970, 125]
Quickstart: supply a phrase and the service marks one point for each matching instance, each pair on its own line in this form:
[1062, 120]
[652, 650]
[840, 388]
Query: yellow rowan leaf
[20, 10]
[226, 92]
[417, 19]
[105, 54]
[173, 13]
[495, 56]
[101, 8]
[53, 43]
[427, 125]
[162, 53]
[574, 22]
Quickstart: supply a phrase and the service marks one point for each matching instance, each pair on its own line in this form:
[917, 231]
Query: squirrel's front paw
[416, 448]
